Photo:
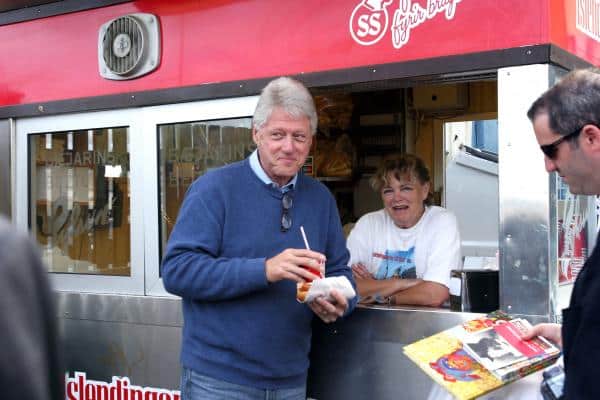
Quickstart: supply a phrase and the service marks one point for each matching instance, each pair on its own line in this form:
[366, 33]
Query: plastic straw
[304, 237]
[315, 271]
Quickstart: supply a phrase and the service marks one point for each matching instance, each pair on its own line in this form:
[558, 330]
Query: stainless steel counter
[361, 357]
[356, 358]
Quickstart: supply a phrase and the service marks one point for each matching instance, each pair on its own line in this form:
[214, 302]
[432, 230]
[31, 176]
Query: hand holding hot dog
[329, 311]
[295, 265]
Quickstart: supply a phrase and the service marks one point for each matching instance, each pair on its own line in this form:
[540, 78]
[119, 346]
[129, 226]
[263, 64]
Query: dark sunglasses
[286, 217]
[551, 149]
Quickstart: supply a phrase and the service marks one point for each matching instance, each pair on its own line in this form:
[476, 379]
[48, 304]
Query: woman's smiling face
[403, 199]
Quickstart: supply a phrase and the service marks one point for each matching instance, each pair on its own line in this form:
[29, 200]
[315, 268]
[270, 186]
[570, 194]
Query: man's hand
[293, 264]
[549, 331]
[329, 311]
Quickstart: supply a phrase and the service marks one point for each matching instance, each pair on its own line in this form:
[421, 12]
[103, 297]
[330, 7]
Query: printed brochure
[481, 355]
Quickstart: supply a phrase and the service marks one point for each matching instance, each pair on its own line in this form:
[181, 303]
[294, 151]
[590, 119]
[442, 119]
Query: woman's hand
[359, 271]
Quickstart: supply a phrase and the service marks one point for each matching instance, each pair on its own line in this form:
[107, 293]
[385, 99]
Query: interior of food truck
[451, 126]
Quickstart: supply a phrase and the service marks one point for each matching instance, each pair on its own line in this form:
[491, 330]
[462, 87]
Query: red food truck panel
[215, 40]
[575, 27]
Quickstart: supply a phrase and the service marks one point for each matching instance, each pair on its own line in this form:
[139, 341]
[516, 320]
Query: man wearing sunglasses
[566, 122]
[237, 252]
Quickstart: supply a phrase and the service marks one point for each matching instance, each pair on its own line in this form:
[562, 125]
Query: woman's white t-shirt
[429, 250]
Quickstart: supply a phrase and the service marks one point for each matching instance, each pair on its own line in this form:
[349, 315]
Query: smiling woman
[403, 253]
[404, 186]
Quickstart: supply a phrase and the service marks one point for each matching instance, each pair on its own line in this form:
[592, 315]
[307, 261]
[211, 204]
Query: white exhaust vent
[129, 46]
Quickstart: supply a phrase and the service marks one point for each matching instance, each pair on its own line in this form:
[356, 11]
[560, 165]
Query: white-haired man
[236, 254]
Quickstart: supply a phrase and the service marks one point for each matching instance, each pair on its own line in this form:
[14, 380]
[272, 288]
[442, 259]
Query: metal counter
[111, 335]
[359, 357]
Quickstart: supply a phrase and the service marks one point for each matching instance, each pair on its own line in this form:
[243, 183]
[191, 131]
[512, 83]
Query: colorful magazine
[502, 352]
[457, 358]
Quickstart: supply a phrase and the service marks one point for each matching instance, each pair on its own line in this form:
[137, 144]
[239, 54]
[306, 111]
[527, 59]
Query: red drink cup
[314, 271]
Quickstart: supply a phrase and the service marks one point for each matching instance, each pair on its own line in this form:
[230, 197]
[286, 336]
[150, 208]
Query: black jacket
[30, 365]
[581, 333]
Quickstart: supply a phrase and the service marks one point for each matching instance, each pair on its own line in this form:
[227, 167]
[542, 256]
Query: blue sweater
[238, 327]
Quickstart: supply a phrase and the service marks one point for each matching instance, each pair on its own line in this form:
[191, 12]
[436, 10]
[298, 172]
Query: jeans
[195, 386]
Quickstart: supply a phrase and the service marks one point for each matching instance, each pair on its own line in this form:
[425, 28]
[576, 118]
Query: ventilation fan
[129, 46]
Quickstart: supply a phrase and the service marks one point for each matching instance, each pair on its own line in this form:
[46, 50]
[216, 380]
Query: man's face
[283, 144]
[570, 162]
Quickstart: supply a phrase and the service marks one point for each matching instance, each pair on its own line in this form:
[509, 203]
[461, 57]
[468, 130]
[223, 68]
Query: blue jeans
[195, 386]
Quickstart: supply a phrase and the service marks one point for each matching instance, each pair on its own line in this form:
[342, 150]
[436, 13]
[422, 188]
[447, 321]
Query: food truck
[110, 109]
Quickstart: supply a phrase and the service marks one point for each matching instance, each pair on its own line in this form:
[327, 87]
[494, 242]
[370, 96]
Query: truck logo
[79, 387]
[369, 20]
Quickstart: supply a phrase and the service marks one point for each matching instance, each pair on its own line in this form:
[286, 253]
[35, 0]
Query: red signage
[81, 388]
[575, 27]
[209, 41]
[370, 19]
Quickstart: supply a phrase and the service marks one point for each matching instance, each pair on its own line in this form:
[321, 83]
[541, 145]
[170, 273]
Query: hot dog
[302, 291]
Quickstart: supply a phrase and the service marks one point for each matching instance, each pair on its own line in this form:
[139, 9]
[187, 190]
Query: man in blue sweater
[237, 252]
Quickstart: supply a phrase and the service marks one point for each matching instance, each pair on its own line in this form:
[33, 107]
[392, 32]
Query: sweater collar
[262, 175]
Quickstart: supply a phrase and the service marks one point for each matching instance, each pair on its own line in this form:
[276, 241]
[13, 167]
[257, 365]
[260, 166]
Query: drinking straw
[304, 237]
[313, 270]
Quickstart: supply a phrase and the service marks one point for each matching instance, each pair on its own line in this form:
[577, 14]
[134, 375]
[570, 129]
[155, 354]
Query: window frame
[143, 124]
[132, 284]
[153, 117]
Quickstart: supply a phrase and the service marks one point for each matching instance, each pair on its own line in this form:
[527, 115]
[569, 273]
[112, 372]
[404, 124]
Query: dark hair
[572, 103]
[401, 165]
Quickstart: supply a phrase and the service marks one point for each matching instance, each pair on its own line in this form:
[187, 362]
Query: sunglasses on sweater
[286, 217]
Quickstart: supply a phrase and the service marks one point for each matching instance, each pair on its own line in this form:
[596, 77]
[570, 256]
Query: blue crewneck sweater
[238, 327]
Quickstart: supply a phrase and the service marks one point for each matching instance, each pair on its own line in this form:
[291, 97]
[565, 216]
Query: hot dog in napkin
[308, 291]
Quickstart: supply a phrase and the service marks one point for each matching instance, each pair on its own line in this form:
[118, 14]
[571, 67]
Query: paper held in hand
[322, 287]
